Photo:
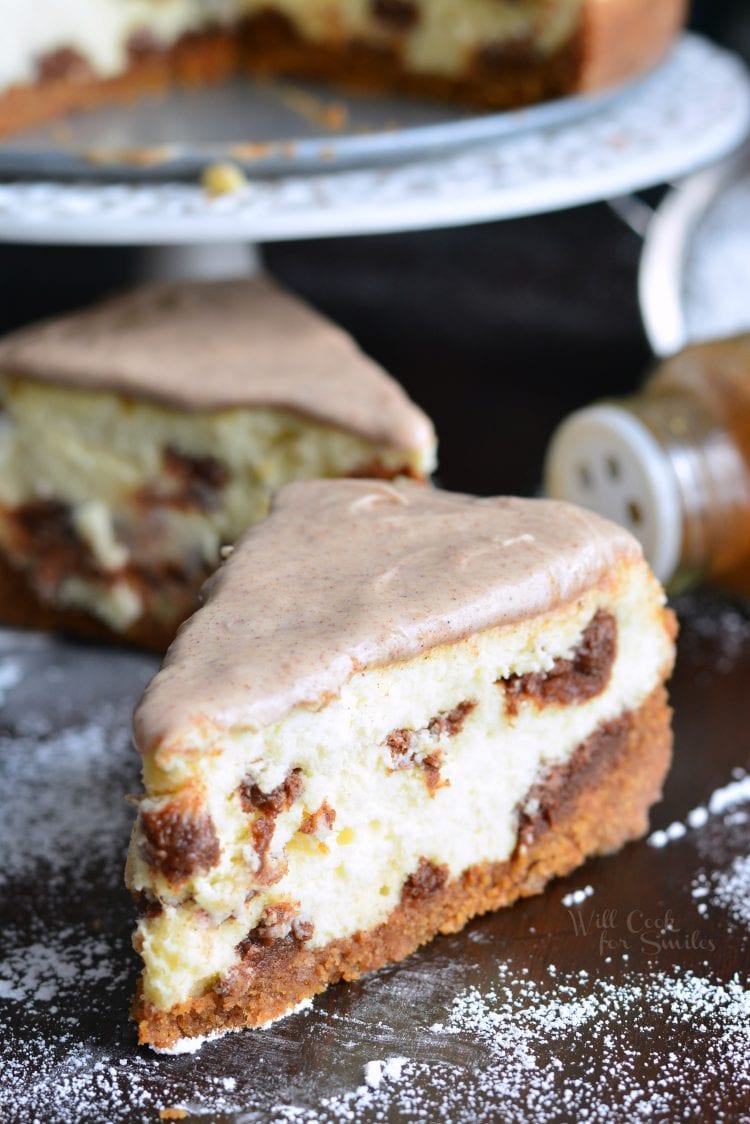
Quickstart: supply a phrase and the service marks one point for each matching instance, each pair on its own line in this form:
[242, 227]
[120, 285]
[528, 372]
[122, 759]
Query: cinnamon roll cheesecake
[139, 437]
[397, 709]
[56, 57]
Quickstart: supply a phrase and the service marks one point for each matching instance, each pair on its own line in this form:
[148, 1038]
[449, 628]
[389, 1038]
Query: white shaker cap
[605, 458]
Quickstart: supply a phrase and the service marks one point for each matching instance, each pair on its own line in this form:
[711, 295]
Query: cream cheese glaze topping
[210, 346]
[349, 574]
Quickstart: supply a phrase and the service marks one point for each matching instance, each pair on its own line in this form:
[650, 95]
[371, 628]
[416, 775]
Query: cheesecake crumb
[223, 178]
[728, 798]
[331, 115]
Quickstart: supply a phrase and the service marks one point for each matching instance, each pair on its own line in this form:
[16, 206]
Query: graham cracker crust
[614, 41]
[592, 805]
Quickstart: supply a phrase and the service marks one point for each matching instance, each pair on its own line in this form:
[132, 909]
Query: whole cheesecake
[56, 57]
[397, 709]
[142, 435]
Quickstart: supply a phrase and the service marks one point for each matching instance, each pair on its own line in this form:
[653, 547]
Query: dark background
[496, 330]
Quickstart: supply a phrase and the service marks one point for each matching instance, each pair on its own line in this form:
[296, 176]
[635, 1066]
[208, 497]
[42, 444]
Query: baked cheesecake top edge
[199, 346]
[350, 574]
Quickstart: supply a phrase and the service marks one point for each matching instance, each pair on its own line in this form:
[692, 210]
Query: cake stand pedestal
[200, 261]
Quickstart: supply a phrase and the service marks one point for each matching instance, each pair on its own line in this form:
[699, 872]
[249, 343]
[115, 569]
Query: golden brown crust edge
[623, 38]
[617, 40]
[592, 806]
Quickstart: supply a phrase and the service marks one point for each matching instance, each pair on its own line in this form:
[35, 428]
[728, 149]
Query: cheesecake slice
[398, 708]
[61, 56]
[139, 437]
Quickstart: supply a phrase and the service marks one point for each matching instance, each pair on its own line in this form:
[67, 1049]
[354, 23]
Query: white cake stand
[691, 111]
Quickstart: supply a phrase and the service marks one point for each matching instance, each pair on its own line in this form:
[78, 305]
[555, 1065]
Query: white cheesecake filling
[101, 453]
[351, 876]
[440, 41]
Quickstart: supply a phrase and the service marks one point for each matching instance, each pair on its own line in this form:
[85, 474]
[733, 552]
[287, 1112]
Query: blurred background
[497, 330]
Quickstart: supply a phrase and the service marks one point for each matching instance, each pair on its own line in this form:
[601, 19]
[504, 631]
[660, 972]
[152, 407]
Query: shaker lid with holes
[672, 464]
[607, 459]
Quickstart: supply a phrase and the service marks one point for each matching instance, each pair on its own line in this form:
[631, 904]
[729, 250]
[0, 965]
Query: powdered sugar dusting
[723, 885]
[736, 792]
[190, 1045]
[660, 839]
[577, 897]
[52, 970]
[43, 825]
[722, 800]
[389, 1070]
[521, 1025]
[727, 889]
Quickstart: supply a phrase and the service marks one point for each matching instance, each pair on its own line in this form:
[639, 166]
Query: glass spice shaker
[671, 463]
